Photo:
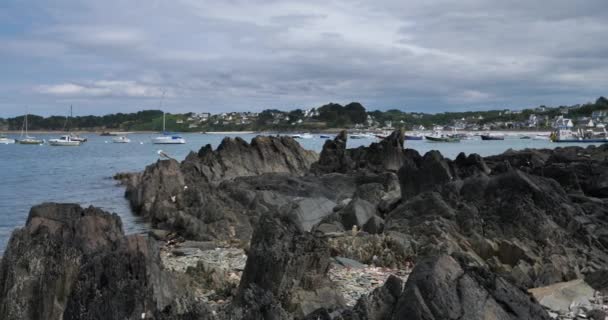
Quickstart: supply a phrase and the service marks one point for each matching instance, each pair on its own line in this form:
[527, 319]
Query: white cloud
[103, 88]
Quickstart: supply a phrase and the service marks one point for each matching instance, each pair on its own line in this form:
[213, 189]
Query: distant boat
[167, 138]
[360, 136]
[114, 133]
[413, 137]
[6, 140]
[525, 137]
[67, 140]
[491, 137]
[441, 139]
[324, 136]
[64, 141]
[78, 138]
[540, 137]
[25, 138]
[302, 136]
[121, 139]
[564, 134]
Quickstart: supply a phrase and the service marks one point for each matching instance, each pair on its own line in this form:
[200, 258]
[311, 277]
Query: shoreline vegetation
[329, 118]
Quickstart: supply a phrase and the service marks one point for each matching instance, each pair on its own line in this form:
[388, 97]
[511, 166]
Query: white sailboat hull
[168, 140]
[58, 143]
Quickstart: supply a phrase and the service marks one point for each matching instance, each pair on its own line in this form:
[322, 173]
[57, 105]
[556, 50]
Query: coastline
[272, 132]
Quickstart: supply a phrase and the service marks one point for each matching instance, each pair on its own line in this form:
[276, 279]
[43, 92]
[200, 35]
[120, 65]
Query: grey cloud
[417, 55]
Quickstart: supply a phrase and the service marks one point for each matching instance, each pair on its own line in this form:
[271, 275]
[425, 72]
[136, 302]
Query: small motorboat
[525, 137]
[324, 136]
[302, 136]
[6, 140]
[121, 139]
[487, 137]
[64, 141]
[442, 139]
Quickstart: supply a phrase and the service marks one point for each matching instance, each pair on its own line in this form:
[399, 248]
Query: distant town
[593, 115]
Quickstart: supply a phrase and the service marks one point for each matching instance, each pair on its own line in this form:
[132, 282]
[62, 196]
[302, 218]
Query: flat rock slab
[349, 263]
[562, 297]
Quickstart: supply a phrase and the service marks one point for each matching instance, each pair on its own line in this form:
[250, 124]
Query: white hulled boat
[302, 136]
[67, 140]
[167, 138]
[64, 141]
[25, 138]
[6, 140]
[121, 139]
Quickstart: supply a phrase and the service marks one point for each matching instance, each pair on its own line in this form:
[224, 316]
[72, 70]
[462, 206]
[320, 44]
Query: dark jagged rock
[236, 158]
[74, 263]
[439, 288]
[356, 213]
[199, 198]
[380, 303]
[525, 226]
[333, 156]
[386, 155]
[286, 268]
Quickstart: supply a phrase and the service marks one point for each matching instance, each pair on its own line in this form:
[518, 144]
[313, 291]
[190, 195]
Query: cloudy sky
[418, 55]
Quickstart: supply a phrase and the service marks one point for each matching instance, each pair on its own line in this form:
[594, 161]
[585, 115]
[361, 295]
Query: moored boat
[67, 140]
[413, 137]
[64, 141]
[360, 136]
[323, 136]
[491, 137]
[25, 138]
[6, 140]
[78, 138]
[441, 139]
[565, 135]
[302, 136]
[169, 139]
[121, 139]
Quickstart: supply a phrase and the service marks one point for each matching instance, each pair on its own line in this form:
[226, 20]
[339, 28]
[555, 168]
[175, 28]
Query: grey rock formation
[439, 288]
[74, 263]
[286, 271]
[380, 303]
[386, 155]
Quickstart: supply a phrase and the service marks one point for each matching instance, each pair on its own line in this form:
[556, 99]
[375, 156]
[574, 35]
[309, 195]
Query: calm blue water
[31, 175]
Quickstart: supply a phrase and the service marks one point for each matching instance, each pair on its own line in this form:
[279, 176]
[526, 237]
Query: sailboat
[26, 139]
[167, 138]
[66, 140]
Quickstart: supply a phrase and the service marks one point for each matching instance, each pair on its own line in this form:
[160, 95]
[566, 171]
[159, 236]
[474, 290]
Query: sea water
[31, 174]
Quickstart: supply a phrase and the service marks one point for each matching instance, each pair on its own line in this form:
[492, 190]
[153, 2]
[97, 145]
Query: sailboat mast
[161, 108]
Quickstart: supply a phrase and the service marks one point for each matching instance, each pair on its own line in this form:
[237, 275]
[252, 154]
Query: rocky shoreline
[268, 230]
